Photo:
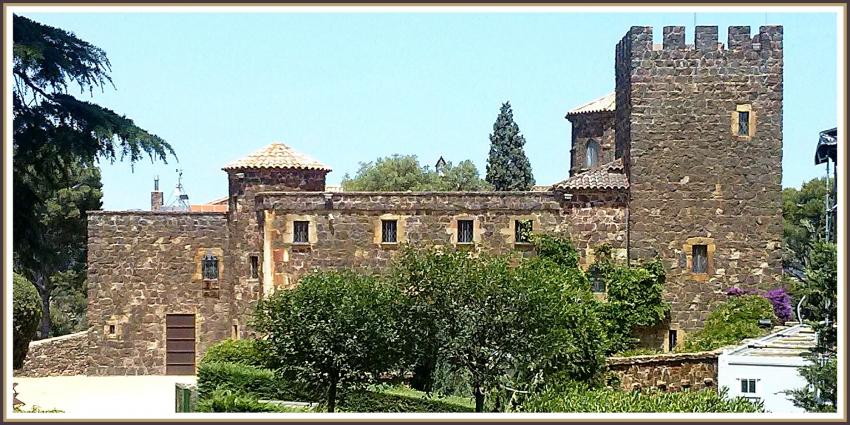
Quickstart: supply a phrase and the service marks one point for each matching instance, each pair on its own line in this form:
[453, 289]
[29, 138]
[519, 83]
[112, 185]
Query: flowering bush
[781, 303]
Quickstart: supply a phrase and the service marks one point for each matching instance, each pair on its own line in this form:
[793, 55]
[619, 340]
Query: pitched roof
[787, 342]
[604, 103]
[277, 155]
[607, 176]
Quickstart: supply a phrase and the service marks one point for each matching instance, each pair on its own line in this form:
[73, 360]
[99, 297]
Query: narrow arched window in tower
[591, 154]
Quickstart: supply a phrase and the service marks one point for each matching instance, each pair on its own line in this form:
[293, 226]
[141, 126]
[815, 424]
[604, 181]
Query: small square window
[748, 386]
[743, 123]
[301, 232]
[209, 267]
[389, 231]
[699, 262]
[464, 231]
[522, 231]
[255, 267]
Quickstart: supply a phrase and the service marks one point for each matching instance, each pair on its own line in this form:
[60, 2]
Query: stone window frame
[198, 276]
[452, 230]
[119, 328]
[254, 267]
[509, 232]
[688, 249]
[751, 124]
[400, 230]
[289, 231]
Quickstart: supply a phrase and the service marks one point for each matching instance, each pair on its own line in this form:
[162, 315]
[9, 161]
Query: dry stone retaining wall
[669, 372]
[60, 356]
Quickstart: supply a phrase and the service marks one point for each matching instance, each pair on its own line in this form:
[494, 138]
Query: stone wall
[693, 179]
[141, 267]
[598, 126]
[60, 356]
[345, 227]
[243, 186]
[670, 372]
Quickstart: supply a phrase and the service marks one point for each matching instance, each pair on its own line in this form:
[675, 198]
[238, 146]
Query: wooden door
[180, 344]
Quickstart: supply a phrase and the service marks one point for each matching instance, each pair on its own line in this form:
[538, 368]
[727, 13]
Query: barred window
[209, 267]
[743, 123]
[389, 231]
[301, 232]
[700, 259]
[464, 231]
[522, 231]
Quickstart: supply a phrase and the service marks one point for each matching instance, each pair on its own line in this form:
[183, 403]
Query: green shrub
[225, 400]
[397, 400]
[241, 351]
[26, 305]
[731, 322]
[251, 380]
[572, 397]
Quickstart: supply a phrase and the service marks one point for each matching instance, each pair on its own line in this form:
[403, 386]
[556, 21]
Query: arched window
[592, 153]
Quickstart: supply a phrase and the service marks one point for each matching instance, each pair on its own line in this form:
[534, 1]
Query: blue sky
[345, 88]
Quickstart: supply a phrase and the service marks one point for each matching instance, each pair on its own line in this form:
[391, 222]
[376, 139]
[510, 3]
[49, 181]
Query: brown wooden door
[180, 344]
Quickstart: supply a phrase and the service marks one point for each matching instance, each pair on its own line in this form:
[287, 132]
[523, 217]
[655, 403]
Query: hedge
[251, 380]
[223, 400]
[366, 401]
[242, 351]
[26, 306]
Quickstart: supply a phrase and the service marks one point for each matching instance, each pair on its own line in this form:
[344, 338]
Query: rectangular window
[522, 231]
[700, 259]
[748, 386]
[672, 336]
[743, 123]
[301, 232]
[209, 266]
[112, 329]
[235, 332]
[597, 284]
[255, 267]
[389, 231]
[464, 231]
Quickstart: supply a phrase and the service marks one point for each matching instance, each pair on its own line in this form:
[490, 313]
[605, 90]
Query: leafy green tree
[821, 291]
[507, 166]
[401, 173]
[26, 307]
[335, 329]
[730, 323]
[57, 140]
[803, 223]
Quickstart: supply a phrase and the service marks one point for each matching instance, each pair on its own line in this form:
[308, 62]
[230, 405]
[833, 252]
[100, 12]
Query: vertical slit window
[743, 123]
[255, 267]
[672, 337]
[389, 231]
[464, 231]
[301, 232]
[700, 259]
[592, 154]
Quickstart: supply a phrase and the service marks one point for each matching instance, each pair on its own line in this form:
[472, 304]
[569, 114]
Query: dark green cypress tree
[507, 166]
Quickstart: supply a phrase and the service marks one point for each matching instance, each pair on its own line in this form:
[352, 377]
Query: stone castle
[681, 162]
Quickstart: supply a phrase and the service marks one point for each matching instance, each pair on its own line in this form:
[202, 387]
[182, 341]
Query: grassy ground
[464, 402]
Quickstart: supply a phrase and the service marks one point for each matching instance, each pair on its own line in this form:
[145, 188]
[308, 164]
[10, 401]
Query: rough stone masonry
[686, 166]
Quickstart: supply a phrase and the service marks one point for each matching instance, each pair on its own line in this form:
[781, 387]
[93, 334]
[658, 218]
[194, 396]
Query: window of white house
[209, 267]
[743, 123]
[464, 231]
[301, 232]
[700, 259]
[389, 231]
[592, 154]
[748, 386]
[255, 267]
[522, 231]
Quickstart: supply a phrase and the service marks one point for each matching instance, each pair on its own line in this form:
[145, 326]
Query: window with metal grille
[255, 267]
[389, 231]
[592, 154]
[209, 267]
[700, 259]
[743, 123]
[301, 232]
[464, 231]
[748, 386]
[597, 284]
[522, 231]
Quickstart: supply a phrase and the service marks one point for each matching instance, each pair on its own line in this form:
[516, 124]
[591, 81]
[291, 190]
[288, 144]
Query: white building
[762, 369]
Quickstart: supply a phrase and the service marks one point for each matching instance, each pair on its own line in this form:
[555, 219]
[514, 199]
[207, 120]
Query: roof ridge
[276, 155]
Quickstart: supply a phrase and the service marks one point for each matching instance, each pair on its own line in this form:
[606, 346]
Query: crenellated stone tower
[699, 128]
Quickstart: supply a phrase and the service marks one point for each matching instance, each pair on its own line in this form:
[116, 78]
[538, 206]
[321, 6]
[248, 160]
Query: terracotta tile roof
[604, 103]
[277, 155]
[605, 177]
[208, 208]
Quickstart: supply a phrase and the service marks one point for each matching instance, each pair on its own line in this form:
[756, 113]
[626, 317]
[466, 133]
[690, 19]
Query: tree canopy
[507, 166]
[401, 173]
[57, 142]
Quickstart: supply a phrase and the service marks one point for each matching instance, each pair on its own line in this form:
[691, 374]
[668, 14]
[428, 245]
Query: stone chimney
[156, 196]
